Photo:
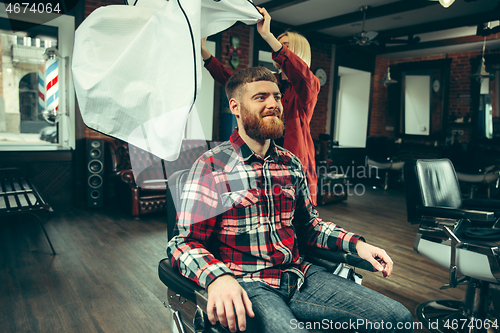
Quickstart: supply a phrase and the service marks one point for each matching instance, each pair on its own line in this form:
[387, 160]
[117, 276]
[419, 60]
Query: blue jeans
[325, 302]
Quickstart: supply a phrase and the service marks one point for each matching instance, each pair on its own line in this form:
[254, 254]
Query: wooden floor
[104, 277]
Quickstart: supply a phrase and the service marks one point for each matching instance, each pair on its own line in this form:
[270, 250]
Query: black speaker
[95, 173]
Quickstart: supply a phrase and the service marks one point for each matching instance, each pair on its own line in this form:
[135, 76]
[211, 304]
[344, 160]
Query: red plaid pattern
[249, 211]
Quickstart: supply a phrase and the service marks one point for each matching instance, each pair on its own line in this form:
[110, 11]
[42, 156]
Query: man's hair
[236, 84]
[299, 45]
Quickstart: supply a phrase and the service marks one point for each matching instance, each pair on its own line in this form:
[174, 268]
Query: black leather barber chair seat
[188, 301]
[461, 235]
[381, 155]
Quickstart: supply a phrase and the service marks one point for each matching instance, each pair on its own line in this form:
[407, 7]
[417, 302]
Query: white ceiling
[459, 20]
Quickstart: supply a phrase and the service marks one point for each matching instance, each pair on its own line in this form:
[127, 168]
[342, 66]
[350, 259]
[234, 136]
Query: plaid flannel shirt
[241, 214]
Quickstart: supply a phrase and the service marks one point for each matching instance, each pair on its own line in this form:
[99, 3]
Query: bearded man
[243, 205]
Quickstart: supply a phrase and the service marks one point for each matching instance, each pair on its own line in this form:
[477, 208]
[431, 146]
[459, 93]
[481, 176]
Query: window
[22, 83]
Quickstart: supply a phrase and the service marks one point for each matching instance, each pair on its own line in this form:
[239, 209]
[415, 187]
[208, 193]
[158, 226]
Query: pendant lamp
[481, 72]
[387, 78]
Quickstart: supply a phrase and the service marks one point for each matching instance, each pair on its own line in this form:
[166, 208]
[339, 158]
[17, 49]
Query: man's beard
[258, 128]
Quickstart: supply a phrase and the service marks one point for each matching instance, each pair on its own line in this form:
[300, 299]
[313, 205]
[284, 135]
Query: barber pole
[51, 84]
[41, 88]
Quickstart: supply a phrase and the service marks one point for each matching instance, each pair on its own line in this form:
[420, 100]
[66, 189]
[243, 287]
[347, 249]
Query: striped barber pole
[51, 84]
[41, 88]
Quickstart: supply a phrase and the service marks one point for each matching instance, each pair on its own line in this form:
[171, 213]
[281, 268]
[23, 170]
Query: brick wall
[321, 57]
[380, 119]
[383, 123]
[243, 32]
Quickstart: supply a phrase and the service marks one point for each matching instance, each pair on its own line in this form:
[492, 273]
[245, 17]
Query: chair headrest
[430, 183]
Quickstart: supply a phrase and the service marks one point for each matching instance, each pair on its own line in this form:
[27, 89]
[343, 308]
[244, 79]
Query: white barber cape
[137, 69]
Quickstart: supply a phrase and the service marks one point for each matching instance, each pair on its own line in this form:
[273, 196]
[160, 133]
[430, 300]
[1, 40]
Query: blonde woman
[298, 85]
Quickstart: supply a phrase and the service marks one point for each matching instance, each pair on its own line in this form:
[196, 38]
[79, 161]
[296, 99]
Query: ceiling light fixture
[387, 78]
[364, 38]
[446, 3]
[481, 73]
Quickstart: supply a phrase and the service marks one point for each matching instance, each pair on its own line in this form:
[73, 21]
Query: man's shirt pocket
[241, 211]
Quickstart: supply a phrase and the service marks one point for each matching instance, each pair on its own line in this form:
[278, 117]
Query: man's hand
[376, 256]
[225, 296]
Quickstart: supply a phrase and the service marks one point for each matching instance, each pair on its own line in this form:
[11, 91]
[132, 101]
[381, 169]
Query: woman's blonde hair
[299, 45]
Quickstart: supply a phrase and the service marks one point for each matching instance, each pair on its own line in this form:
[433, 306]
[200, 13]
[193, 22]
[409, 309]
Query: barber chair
[488, 176]
[381, 155]
[473, 168]
[188, 301]
[462, 235]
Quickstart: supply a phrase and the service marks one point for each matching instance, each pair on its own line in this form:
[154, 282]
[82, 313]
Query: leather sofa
[139, 178]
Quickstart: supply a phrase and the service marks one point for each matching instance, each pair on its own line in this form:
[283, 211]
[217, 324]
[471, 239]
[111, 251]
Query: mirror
[423, 97]
[417, 106]
[486, 95]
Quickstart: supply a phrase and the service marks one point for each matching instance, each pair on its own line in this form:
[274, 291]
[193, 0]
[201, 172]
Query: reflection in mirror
[424, 102]
[353, 104]
[489, 115]
[485, 93]
[417, 104]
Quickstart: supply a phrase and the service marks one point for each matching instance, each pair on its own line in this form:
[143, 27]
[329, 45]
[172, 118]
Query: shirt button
[284, 52]
[286, 101]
